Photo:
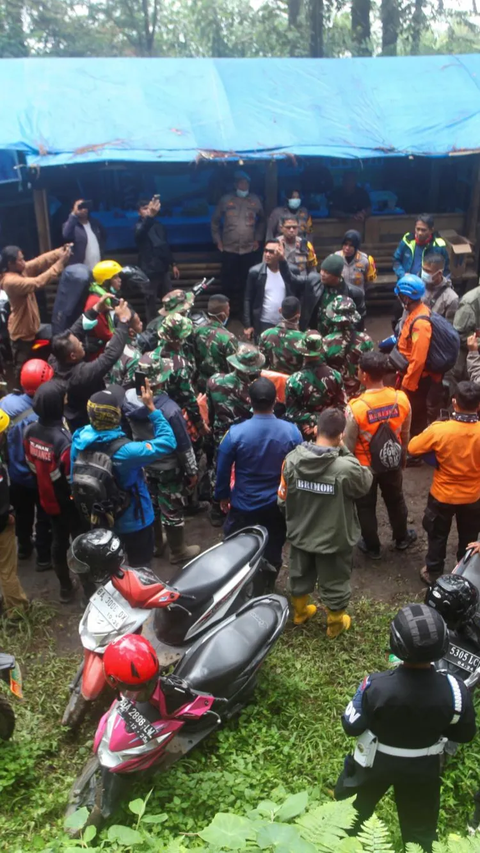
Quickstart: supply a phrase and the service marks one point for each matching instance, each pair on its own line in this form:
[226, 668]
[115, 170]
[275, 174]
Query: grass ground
[290, 735]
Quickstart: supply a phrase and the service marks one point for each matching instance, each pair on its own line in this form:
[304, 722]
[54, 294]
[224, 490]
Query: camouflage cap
[247, 359]
[342, 311]
[156, 369]
[312, 345]
[176, 301]
[175, 327]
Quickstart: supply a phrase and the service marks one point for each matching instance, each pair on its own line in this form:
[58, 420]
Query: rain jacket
[129, 462]
[318, 490]
[19, 409]
[405, 251]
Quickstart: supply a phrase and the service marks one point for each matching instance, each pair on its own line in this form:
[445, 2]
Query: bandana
[103, 417]
[465, 417]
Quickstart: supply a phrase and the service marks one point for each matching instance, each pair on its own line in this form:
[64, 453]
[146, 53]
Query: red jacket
[47, 451]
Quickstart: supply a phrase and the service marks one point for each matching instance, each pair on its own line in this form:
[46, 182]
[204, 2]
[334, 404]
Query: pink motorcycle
[211, 683]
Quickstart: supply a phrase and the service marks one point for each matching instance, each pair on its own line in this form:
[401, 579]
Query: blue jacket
[16, 405]
[129, 461]
[257, 448]
[404, 253]
[137, 415]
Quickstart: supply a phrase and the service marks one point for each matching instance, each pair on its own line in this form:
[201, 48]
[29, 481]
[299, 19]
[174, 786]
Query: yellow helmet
[105, 270]
[4, 421]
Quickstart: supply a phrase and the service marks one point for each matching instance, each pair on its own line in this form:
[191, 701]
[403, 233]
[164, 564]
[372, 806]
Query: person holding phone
[87, 235]
[106, 282]
[155, 256]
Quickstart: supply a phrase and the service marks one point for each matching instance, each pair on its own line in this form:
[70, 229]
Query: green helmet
[342, 311]
[176, 301]
[156, 369]
[175, 327]
[248, 359]
[312, 346]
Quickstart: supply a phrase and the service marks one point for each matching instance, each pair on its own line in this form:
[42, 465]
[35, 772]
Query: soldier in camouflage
[171, 478]
[344, 346]
[213, 343]
[314, 388]
[229, 403]
[175, 330]
[278, 344]
[175, 302]
[123, 371]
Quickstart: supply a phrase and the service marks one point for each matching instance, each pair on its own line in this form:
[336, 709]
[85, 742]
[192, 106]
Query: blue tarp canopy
[64, 111]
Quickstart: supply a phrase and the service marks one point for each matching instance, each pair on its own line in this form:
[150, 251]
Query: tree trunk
[293, 12]
[361, 27]
[417, 23]
[390, 21]
[316, 28]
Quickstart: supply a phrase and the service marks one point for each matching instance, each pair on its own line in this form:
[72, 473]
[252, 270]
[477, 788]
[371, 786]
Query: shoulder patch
[316, 488]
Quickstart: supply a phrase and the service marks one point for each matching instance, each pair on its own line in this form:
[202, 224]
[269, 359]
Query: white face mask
[294, 203]
[427, 277]
[242, 193]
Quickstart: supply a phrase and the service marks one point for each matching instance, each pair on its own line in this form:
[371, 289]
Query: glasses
[269, 251]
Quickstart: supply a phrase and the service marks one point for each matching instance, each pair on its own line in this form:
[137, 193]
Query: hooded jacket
[318, 490]
[312, 298]
[47, 450]
[19, 409]
[129, 461]
[183, 458]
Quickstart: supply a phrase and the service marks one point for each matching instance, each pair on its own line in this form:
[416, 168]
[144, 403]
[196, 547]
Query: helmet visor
[75, 565]
[142, 693]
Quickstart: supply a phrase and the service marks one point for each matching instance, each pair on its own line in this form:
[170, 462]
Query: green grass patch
[290, 736]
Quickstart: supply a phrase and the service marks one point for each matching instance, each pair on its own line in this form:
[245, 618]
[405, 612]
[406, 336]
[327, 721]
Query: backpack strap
[420, 317]
[21, 417]
[438, 294]
[457, 699]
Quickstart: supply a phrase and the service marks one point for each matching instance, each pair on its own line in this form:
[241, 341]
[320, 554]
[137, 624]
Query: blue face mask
[242, 193]
[294, 203]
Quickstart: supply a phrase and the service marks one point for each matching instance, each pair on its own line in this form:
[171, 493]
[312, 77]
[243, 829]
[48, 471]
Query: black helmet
[98, 554]
[455, 598]
[418, 634]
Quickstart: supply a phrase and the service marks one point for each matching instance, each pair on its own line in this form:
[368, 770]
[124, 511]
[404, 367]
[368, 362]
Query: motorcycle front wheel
[99, 791]
[7, 719]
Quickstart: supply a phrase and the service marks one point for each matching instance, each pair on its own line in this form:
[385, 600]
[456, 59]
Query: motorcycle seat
[215, 664]
[208, 572]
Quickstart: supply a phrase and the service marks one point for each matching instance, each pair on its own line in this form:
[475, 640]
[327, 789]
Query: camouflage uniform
[278, 347]
[328, 296]
[314, 388]
[175, 302]
[227, 394]
[344, 346]
[213, 344]
[174, 332]
[166, 477]
[123, 371]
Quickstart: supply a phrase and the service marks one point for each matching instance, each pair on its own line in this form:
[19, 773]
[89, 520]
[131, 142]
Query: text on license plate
[462, 658]
[137, 723]
[109, 608]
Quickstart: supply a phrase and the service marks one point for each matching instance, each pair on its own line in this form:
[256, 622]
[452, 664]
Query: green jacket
[467, 315]
[317, 492]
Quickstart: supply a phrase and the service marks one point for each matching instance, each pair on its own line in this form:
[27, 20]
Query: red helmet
[130, 663]
[33, 374]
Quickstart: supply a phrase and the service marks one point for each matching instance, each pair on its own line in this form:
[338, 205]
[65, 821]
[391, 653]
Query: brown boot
[179, 551]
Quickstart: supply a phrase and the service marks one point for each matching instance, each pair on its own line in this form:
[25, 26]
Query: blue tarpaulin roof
[63, 111]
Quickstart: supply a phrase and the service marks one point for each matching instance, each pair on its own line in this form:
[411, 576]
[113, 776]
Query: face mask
[427, 277]
[294, 203]
[242, 193]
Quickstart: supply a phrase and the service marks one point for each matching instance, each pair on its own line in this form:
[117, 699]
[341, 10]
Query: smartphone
[139, 382]
[156, 197]
[86, 203]
[113, 301]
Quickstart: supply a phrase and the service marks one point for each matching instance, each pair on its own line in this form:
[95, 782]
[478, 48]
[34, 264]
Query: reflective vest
[386, 404]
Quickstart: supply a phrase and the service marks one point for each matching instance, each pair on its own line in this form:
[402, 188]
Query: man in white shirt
[268, 284]
[86, 234]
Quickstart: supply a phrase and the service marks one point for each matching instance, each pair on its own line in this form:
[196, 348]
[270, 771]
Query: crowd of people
[294, 423]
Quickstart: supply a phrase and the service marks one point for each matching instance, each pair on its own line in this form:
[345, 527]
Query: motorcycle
[209, 588]
[212, 682]
[10, 673]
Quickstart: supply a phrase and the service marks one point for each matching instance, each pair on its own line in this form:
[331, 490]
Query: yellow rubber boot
[337, 621]
[302, 610]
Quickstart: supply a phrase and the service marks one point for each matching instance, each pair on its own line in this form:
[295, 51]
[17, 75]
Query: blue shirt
[416, 268]
[19, 409]
[257, 448]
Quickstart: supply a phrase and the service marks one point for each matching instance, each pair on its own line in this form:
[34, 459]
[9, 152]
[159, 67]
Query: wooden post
[271, 186]
[473, 209]
[40, 203]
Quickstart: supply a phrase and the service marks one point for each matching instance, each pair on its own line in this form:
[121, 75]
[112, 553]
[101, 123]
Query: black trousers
[25, 501]
[417, 801]
[390, 484]
[139, 546]
[160, 285]
[437, 521]
[234, 278]
[21, 352]
[426, 402]
[64, 526]
[268, 516]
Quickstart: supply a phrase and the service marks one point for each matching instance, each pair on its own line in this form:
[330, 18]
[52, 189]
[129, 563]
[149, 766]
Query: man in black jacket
[84, 378]
[268, 284]
[154, 253]
[86, 234]
[320, 292]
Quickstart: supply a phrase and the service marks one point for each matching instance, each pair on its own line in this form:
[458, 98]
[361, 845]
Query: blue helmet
[411, 286]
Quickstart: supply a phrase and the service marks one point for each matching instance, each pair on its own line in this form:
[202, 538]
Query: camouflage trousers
[168, 495]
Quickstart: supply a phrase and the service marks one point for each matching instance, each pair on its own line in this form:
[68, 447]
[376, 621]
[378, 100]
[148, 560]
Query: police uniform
[344, 345]
[314, 388]
[300, 254]
[408, 710]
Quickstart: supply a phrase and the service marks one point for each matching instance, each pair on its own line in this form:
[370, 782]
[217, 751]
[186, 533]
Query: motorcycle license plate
[109, 608]
[462, 658]
[136, 722]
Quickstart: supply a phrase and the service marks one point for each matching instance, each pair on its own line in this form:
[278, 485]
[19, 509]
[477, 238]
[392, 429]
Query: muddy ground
[392, 579]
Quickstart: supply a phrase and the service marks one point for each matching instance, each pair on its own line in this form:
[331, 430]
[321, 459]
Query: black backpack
[95, 491]
[385, 448]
